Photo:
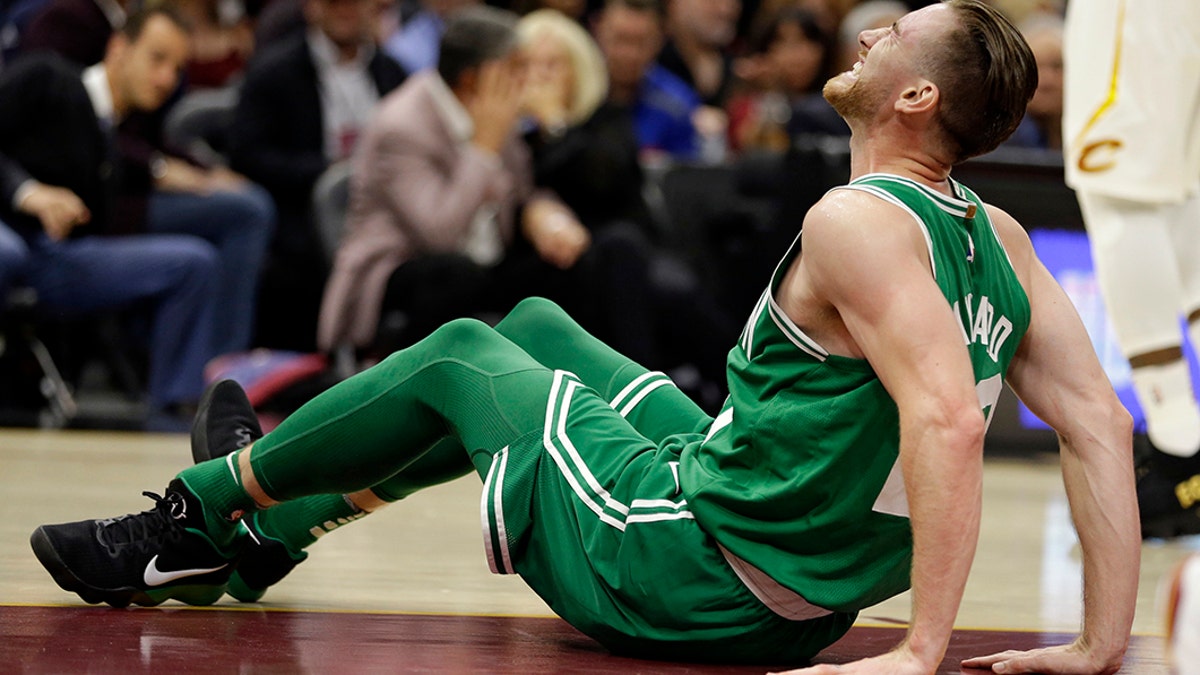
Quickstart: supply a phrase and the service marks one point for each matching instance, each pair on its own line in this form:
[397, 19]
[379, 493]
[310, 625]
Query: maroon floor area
[176, 640]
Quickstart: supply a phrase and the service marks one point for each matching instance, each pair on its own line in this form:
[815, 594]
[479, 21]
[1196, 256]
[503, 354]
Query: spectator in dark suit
[59, 173]
[303, 105]
[164, 189]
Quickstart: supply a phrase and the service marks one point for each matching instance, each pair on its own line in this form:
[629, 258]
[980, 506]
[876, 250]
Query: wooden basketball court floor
[407, 589]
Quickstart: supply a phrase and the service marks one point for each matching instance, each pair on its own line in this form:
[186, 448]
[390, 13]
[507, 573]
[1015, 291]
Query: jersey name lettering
[982, 325]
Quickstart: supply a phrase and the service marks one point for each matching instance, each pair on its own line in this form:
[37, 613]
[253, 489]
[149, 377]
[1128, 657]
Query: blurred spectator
[278, 21]
[585, 151]
[789, 61]
[1021, 11]
[177, 194]
[303, 106]
[584, 148]
[828, 14]
[630, 35]
[15, 16]
[444, 219]
[14, 255]
[574, 9]
[1042, 125]
[77, 29]
[699, 35]
[165, 190]
[435, 190]
[867, 15]
[414, 40]
[222, 41]
[58, 175]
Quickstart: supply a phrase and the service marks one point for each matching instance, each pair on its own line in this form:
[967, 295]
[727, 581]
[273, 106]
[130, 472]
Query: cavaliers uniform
[1131, 108]
[1131, 135]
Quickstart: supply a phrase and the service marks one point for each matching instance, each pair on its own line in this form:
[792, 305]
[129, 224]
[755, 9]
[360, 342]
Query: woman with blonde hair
[567, 79]
[585, 150]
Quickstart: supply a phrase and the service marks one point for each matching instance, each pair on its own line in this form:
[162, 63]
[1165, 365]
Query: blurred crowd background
[285, 191]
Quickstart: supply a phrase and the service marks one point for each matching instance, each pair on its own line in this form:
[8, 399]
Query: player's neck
[885, 155]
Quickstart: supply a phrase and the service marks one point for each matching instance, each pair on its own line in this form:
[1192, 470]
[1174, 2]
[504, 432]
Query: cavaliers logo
[1099, 155]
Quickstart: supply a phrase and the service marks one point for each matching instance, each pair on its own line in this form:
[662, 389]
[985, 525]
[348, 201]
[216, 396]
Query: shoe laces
[140, 530]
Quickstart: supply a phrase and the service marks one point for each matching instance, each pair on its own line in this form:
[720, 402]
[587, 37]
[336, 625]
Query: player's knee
[531, 313]
[461, 333]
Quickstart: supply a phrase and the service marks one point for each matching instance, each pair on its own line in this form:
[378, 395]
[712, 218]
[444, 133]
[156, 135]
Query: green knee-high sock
[299, 523]
[218, 486]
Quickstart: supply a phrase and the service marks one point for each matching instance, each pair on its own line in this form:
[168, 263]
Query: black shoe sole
[1182, 524]
[116, 597]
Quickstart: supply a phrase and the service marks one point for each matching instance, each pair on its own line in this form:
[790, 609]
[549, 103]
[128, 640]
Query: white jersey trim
[893, 499]
[581, 479]
[748, 331]
[493, 493]
[793, 332]
[778, 598]
[955, 206]
[723, 420]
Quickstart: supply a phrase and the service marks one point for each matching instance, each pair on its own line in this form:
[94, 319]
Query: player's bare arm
[1057, 374]
[864, 279]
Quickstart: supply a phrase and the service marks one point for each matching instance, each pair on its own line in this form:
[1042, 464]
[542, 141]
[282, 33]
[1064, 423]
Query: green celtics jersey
[799, 476]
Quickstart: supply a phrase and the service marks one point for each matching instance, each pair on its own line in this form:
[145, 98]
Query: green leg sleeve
[545, 332]
[465, 381]
[444, 462]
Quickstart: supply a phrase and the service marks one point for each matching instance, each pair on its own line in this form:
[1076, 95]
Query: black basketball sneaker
[1168, 491]
[225, 422]
[265, 562]
[143, 558]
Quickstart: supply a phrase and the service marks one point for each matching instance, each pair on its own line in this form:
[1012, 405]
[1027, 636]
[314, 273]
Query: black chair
[200, 121]
[330, 203]
[35, 392]
[724, 224]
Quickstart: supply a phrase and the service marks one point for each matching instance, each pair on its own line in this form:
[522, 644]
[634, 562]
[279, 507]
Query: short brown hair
[987, 56]
[473, 36]
[136, 23]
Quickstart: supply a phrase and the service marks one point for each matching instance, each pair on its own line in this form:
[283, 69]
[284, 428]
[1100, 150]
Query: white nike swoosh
[156, 577]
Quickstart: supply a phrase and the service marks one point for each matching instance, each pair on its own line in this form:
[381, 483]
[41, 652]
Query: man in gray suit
[444, 219]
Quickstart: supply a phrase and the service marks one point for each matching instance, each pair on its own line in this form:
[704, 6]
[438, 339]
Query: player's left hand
[1072, 659]
[895, 662]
